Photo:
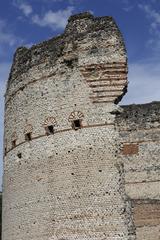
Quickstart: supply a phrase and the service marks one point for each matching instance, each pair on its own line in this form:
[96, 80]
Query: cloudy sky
[26, 22]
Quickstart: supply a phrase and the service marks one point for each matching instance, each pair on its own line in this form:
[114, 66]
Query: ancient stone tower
[76, 165]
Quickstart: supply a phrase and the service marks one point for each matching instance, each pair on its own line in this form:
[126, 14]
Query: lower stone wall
[146, 213]
[67, 186]
[95, 183]
[140, 150]
[147, 219]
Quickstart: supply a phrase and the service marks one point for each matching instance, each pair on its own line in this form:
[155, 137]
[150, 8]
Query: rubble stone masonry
[77, 165]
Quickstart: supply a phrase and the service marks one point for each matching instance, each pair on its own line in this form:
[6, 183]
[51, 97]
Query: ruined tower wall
[140, 136]
[76, 165]
[70, 184]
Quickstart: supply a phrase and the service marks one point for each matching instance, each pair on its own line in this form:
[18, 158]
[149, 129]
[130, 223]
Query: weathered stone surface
[76, 165]
[139, 125]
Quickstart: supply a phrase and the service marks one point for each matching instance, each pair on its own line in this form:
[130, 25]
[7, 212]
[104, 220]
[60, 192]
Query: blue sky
[26, 22]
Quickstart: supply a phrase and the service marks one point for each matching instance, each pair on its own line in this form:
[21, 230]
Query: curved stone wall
[60, 183]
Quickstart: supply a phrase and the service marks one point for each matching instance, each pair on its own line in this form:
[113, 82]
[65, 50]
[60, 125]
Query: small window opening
[5, 151]
[50, 129]
[19, 155]
[28, 137]
[76, 124]
[13, 143]
[69, 63]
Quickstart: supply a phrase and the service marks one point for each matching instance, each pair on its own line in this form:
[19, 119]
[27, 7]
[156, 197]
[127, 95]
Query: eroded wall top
[92, 45]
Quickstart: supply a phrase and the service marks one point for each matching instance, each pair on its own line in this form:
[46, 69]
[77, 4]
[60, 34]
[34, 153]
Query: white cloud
[127, 5]
[23, 6]
[144, 82]
[8, 40]
[51, 19]
[154, 17]
[151, 13]
[5, 36]
[127, 8]
[26, 9]
[54, 20]
[69, 1]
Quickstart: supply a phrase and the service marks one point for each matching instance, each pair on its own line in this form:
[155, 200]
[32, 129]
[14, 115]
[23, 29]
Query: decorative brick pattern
[28, 129]
[108, 82]
[50, 121]
[75, 116]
